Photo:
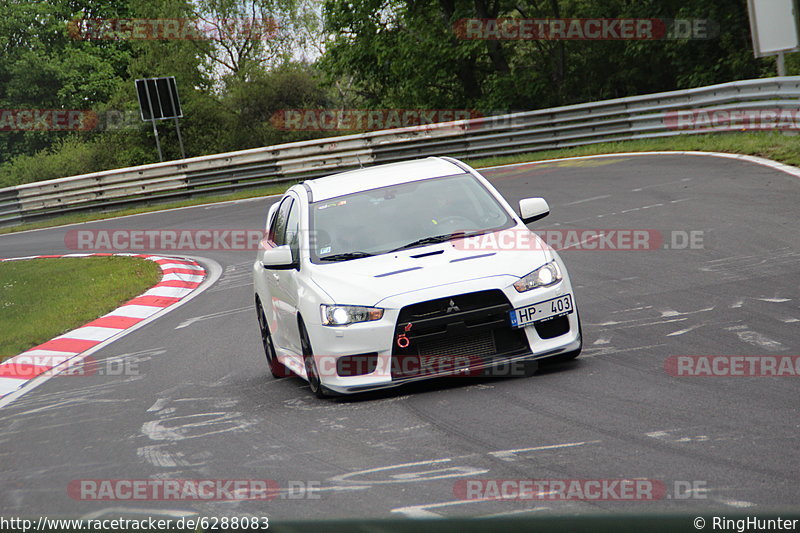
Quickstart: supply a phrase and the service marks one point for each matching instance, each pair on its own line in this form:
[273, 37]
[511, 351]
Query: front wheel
[312, 373]
[277, 368]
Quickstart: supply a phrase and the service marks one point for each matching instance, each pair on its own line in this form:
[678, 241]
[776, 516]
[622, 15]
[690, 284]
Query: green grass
[43, 298]
[771, 145]
[776, 146]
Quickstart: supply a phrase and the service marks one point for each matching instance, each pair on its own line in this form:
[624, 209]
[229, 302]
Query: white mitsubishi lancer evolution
[376, 277]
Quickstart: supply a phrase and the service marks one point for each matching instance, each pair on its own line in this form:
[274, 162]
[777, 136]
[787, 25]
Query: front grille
[455, 332]
[460, 303]
[476, 344]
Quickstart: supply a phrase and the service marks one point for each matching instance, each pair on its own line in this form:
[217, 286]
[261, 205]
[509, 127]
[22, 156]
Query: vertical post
[180, 138]
[158, 143]
[781, 64]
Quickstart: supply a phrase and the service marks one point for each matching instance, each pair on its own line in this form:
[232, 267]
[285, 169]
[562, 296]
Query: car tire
[312, 373]
[276, 368]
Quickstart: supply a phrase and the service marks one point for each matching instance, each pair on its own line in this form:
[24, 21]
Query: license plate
[530, 314]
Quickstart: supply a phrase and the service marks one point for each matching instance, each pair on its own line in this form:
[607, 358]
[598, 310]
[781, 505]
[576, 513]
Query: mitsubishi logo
[452, 307]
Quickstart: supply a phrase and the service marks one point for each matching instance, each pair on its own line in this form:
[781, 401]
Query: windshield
[403, 216]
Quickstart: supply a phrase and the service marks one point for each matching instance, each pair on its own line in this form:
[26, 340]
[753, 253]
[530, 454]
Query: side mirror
[278, 258]
[532, 209]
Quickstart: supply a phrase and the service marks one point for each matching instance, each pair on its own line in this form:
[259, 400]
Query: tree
[250, 36]
[43, 67]
[409, 53]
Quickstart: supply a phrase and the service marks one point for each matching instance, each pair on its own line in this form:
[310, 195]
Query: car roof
[380, 176]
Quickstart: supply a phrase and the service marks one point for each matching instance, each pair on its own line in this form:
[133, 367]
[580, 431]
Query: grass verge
[772, 145]
[43, 298]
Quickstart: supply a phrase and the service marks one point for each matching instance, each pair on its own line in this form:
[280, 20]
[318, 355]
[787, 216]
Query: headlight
[543, 276]
[342, 315]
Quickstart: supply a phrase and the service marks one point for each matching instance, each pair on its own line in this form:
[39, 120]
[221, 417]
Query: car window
[382, 219]
[277, 230]
[292, 233]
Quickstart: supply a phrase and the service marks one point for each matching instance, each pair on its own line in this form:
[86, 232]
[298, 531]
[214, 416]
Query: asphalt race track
[202, 405]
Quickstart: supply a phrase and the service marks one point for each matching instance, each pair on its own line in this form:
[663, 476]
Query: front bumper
[469, 354]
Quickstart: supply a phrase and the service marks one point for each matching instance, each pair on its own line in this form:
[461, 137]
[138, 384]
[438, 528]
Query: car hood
[370, 280]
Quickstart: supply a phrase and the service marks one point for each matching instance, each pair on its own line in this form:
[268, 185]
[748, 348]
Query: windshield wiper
[346, 256]
[441, 238]
[427, 240]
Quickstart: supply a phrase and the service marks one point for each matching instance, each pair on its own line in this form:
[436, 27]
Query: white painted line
[685, 330]
[508, 455]
[416, 511]
[576, 202]
[90, 333]
[661, 184]
[190, 321]
[134, 311]
[739, 504]
[28, 358]
[8, 385]
[627, 324]
[754, 338]
[48, 353]
[421, 511]
[122, 511]
[411, 477]
[181, 265]
[181, 277]
[666, 312]
[159, 405]
[170, 292]
[669, 436]
[516, 512]
[584, 241]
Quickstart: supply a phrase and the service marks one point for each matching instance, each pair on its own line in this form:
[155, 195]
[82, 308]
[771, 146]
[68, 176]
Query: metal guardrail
[620, 119]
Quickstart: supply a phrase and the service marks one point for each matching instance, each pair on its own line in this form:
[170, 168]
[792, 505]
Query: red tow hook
[402, 340]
